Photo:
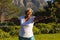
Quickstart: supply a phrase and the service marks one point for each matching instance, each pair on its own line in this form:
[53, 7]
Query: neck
[28, 16]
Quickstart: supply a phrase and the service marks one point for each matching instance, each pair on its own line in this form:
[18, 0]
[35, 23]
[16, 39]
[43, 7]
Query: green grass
[39, 37]
[10, 38]
[47, 37]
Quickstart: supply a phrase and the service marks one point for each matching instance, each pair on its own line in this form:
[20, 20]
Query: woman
[26, 23]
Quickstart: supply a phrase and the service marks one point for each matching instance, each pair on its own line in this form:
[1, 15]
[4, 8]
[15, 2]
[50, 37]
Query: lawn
[39, 37]
[48, 37]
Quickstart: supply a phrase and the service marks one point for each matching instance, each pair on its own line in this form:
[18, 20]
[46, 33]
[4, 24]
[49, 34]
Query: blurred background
[46, 29]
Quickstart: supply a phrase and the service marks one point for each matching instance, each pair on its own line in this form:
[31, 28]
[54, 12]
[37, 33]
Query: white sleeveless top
[26, 29]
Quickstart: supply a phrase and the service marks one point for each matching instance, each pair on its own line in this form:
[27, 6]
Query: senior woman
[26, 22]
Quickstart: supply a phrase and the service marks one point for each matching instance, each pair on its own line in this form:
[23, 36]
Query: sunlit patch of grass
[39, 37]
[10, 38]
[47, 37]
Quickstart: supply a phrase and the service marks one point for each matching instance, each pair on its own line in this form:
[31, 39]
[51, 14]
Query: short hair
[29, 9]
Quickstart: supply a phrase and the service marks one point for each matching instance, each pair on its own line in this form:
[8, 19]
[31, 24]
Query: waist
[26, 37]
[26, 34]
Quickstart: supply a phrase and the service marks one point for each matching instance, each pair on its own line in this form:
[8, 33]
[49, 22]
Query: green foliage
[58, 25]
[39, 28]
[7, 23]
[48, 28]
[10, 23]
[8, 9]
[36, 30]
[8, 31]
[50, 10]
[4, 34]
[14, 30]
[1, 33]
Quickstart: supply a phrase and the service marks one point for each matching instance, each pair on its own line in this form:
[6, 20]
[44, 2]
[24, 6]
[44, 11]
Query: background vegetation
[47, 29]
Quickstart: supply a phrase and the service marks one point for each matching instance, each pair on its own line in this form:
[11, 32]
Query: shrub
[46, 28]
[10, 23]
[58, 28]
[4, 34]
[36, 30]
[1, 33]
[14, 30]
[1, 24]
[6, 29]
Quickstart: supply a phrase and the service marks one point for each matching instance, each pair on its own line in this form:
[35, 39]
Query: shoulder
[33, 16]
[20, 17]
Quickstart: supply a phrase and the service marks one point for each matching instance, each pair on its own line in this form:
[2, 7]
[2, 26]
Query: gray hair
[29, 9]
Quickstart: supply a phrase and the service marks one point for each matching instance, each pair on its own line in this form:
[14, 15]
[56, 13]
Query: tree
[53, 9]
[7, 10]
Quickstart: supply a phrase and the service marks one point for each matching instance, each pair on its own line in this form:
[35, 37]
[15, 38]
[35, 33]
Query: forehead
[29, 10]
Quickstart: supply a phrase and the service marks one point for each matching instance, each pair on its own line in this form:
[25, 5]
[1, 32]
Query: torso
[26, 27]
